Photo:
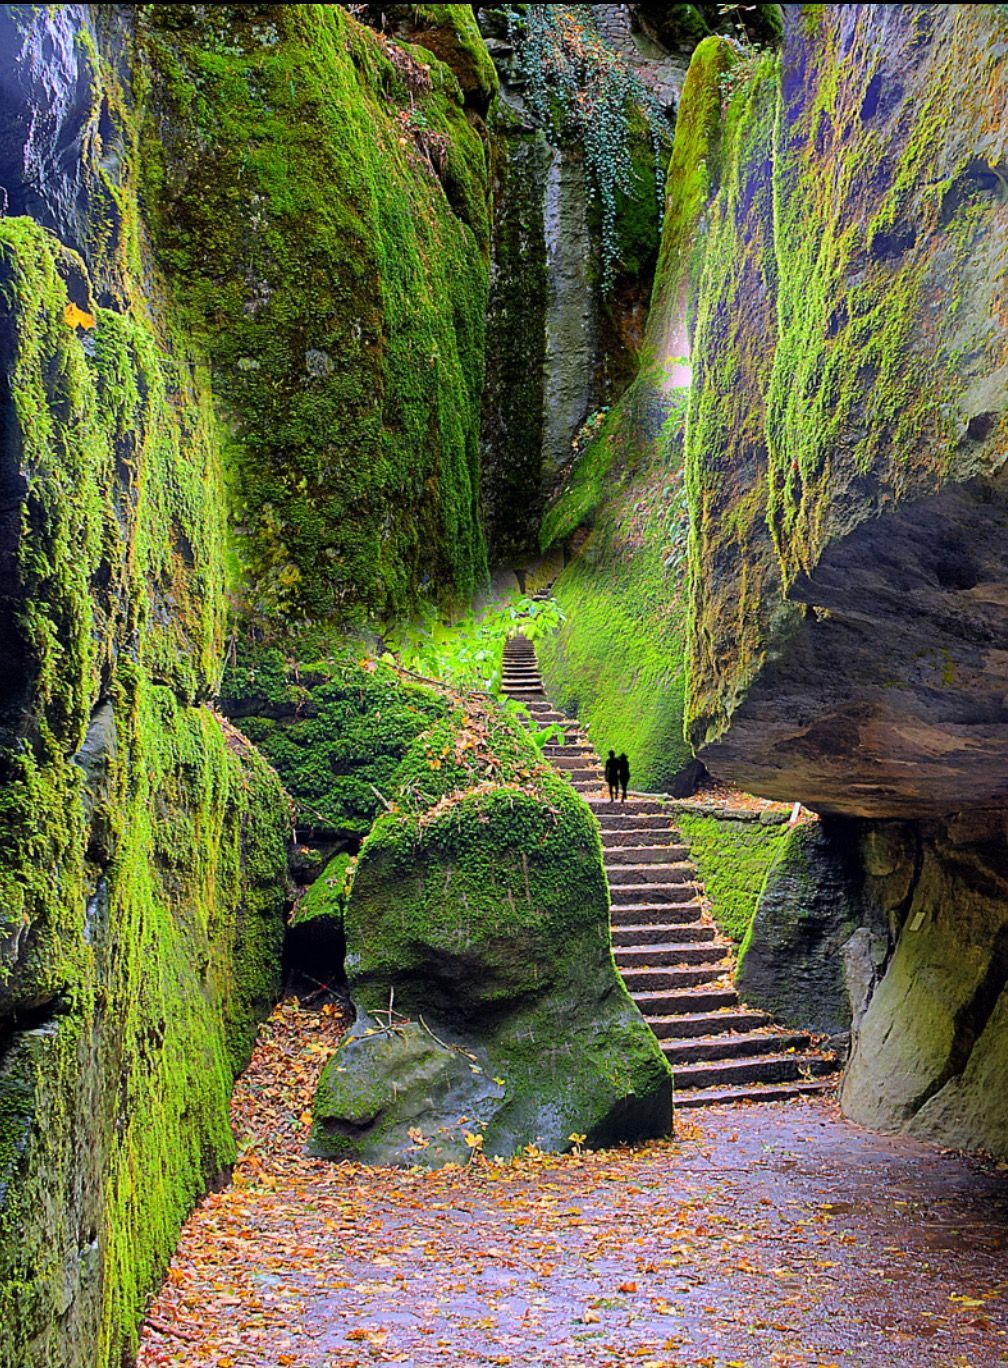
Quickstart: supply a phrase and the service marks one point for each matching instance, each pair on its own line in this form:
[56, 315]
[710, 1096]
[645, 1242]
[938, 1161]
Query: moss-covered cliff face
[143, 847]
[617, 663]
[846, 435]
[579, 148]
[318, 200]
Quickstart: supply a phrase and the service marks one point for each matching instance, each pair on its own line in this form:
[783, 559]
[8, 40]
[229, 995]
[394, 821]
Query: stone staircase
[675, 963]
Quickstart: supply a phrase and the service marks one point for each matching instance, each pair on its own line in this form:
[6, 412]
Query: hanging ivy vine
[577, 86]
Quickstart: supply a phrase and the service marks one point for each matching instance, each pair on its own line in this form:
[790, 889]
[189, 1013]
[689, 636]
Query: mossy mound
[336, 731]
[479, 958]
[318, 201]
[142, 841]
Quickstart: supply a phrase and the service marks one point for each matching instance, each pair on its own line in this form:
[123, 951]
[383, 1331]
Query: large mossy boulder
[848, 418]
[479, 959]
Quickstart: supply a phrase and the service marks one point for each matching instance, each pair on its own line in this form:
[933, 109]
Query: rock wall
[562, 339]
[318, 196]
[617, 663]
[845, 457]
[846, 436]
[930, 1052]
[143, 847]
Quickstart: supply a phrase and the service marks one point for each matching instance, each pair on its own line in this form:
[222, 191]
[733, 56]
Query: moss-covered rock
[142, 841]
[845, 440]
[479, 959]
[315, 940]
[732, 856]
[335, 731]
[318, 200]
[803, 957]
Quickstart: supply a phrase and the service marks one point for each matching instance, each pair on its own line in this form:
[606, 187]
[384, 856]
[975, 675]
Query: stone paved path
[760, 1236]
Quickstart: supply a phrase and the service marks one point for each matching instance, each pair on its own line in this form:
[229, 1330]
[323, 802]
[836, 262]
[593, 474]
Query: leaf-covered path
[772, 1235]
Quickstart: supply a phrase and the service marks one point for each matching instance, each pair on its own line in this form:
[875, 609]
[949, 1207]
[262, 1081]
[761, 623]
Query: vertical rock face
[571, 312]
[847, 431]
[848, 488]
[562, 339]
[930, 1052]
[318, 201]
[142, 855]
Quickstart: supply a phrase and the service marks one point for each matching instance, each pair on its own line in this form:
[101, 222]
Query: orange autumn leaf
[75, 317]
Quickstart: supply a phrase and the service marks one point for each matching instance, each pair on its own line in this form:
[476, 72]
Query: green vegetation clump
[142, 841]
[468, 653]
[318, 201]
[335, 731]
[733, 859]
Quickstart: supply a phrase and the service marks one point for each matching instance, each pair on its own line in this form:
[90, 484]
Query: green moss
[616, 662]
[335, 731]
[347, 327]
[839, 297]
[733, 859]
[327, 895]
[142, 842]
[480, 909]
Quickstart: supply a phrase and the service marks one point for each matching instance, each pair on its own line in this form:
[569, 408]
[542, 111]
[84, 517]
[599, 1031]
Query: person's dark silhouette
[612, 776]
[623, 772]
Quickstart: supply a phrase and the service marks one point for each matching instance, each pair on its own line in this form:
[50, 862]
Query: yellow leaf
[591, 1318]
[74, 317]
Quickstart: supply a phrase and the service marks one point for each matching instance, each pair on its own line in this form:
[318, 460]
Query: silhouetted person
[623, 772]
[612, 776]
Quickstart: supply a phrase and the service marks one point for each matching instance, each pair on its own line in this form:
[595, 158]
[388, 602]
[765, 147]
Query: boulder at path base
[479, 959]
[797, 961]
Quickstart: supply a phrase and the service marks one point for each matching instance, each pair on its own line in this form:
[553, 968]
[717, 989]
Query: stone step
[654, 874]
[633, 807]
[643, 854]
[626, 820]
[636, 914]
[572, 760]
[648, 933]
[691, 1025]
[733, 1045]
[666, 978]
[686, 1001]
[667, 953]
[756, 1092]
[633, 834]
[634, 894]
[771, 1068]
[521, 677]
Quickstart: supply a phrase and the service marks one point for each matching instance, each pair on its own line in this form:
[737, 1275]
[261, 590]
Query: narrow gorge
[405, 407]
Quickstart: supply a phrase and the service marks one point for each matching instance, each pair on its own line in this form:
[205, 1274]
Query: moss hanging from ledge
[319, 202]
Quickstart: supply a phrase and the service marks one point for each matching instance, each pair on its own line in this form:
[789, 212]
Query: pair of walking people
[617, 773]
